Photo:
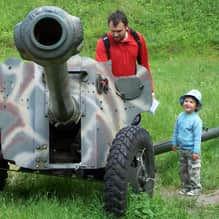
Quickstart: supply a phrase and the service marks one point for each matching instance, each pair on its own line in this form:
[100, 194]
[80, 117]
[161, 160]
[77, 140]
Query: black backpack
[133, 33]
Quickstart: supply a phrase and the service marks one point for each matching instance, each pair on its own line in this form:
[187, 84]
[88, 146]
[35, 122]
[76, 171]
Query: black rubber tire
[3, 173]
[123, 152]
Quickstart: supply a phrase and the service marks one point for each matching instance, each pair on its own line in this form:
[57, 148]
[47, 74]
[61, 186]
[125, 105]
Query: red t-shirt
[123, 54]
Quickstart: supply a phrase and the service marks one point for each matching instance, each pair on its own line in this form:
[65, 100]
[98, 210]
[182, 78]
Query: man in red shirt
[124, 50]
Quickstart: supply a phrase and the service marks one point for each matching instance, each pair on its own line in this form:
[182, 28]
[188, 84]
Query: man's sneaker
[183, 191]
[193, 192]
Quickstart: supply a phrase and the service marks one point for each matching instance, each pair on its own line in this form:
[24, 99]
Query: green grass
[34, 196]
[169, 26]
[183, 42]
[173, 76]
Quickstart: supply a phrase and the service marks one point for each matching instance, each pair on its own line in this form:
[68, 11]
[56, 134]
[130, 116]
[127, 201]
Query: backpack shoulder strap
[137, 39]
[133, 33]
[106, 44]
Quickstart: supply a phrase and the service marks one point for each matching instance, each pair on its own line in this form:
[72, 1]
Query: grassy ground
[184, 54]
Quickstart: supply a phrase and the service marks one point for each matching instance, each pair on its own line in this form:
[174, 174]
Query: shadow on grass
[34, 187]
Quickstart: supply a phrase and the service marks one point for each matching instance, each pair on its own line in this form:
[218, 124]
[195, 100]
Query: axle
[166, 146]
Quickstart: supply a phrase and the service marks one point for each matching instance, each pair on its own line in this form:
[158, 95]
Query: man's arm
[144, 53]
[101, 55]
[144, 58]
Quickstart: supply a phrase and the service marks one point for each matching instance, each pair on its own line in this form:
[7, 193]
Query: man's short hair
[116, 17]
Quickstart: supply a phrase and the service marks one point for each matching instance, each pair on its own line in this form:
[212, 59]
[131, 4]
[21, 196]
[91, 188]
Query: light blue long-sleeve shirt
[187, 132]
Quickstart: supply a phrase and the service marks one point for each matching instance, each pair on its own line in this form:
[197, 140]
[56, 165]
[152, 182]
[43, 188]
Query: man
[124, 49]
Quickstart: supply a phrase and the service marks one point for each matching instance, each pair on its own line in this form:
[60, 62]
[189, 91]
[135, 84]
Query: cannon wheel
[130, 160]
[3, 173]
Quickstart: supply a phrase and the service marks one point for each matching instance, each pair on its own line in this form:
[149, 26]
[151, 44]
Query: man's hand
[195, 156]
[153, 94]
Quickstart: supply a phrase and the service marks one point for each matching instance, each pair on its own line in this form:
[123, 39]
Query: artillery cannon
[62, 114]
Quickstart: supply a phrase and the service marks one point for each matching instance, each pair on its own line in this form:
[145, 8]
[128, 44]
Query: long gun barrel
[165, 146]
[49, 36]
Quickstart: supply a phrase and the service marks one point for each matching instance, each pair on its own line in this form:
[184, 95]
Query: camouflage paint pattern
[24, 119]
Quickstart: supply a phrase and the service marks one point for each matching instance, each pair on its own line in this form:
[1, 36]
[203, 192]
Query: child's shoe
[183, 191]
[193, 192]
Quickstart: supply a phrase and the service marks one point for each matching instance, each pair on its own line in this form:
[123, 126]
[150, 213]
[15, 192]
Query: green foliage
[183, 41]
[169, 26]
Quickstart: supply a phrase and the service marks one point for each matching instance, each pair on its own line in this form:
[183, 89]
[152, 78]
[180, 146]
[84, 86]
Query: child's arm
[174, 140]
[197, 129]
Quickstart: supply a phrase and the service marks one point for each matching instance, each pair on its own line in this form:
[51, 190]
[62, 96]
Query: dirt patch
[203, 199]
[209, 199]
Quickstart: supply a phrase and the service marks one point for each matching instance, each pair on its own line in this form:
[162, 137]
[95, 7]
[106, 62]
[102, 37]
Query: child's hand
[174, 148]
[195, 156]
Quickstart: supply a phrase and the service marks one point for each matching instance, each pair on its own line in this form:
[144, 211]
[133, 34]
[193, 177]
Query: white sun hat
[196, 95]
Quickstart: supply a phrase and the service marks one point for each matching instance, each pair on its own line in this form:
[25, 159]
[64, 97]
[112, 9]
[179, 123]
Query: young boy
[187, 138]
